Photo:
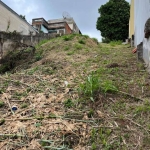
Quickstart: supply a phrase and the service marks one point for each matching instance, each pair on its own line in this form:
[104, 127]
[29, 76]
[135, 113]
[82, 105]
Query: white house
[141, 16]
[10, 21]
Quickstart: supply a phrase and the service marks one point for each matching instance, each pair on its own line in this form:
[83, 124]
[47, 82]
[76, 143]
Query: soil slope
[73, 93]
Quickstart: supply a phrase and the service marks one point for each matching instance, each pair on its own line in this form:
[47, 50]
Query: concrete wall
[9, 42]
[12, 22]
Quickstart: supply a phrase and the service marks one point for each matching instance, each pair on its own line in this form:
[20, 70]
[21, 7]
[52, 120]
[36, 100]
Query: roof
[56, 20]
[12, 11]
[39, 19]
[61, 20]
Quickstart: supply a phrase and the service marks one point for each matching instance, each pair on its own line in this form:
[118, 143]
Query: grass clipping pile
[72, 96]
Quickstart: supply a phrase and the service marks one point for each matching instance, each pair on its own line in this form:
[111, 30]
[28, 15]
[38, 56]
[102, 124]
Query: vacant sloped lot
[73, 93]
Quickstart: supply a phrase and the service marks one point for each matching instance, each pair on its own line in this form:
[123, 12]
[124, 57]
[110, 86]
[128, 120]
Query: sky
[84, 12]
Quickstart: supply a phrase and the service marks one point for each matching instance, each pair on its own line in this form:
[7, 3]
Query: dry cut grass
[76, 94]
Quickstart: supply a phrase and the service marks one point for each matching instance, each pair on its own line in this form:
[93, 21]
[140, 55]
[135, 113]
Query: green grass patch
[68, 103]
[81, 41]
[1, 104]
[115, 43]
[38, 55]
[95, 40]
[78, 46]
[42, 42]
[24, 105]
[90, 87]
[143, 108]
[66, 48]
[68, 37]
[86, 36]
[94, 85]
[70, 53]
[33, 70]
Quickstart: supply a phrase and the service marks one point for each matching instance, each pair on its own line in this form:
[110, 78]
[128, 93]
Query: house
[56, 24]
[59, 26]
[140, 27]
[40, 24]
[70, 21]
[10, 21]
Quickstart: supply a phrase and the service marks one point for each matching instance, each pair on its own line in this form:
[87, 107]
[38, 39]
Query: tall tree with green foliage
[113, 22]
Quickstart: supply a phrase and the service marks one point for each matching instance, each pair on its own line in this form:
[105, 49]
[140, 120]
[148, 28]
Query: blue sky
[84, 12]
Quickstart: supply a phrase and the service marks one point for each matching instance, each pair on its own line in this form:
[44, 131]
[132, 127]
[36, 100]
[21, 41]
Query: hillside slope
[73, 93]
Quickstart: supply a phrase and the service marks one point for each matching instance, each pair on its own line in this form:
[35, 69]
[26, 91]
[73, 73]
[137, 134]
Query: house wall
[10, 22]
[67, 29]
[73, 27]
[142, 14]
[131, 22]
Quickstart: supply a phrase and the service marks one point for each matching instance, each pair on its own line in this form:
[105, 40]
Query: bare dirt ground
[75, 94]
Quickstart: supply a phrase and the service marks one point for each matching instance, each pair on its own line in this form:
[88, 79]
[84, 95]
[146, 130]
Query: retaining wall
[10, 41]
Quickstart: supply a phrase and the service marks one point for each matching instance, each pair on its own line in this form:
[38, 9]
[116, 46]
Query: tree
[23, 17]
[114, 20]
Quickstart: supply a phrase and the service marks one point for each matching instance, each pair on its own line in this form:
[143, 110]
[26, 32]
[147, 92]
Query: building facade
[142, 27]
[59, 26]
[10, 21]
